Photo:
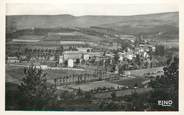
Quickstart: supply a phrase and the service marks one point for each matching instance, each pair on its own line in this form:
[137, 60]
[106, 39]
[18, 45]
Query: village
[74, 64]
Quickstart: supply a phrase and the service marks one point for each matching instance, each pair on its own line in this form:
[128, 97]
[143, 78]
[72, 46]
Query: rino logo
[165, 102]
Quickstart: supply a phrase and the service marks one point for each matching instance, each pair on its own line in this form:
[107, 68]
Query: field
[131, 82]
[95, 85]
[16, 73]
[139, 77]
[141, 72]
[168, 43]
[122, 92]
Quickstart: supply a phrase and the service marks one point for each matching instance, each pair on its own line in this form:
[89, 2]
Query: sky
[77, 9]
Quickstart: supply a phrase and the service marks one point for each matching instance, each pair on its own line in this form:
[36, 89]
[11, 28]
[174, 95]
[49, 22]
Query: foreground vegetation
[34, 93]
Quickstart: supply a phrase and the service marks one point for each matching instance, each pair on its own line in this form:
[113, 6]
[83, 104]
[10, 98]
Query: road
[52, 68]
[141, 72]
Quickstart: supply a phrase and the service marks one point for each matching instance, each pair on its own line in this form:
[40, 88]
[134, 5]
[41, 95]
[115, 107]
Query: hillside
[50, 21]
[153, 23]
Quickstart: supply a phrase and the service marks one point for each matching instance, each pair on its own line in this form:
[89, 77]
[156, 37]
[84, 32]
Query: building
[85, 50]
[61, 59]
[42, 53]
[127, 73]
[96, 54]
[86, 57]
[69, 58]
[72, 55]
[44, 67]
[70, 63]
[13, 60]
[129, 55]
[145, 55]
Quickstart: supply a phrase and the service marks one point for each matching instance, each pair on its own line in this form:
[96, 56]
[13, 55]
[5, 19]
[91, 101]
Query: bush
[35, 93]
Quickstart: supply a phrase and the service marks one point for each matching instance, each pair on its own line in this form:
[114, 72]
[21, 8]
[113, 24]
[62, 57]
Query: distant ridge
[120, 23]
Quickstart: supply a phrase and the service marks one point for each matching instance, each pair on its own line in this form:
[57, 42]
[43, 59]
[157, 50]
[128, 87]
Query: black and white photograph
[91, 57]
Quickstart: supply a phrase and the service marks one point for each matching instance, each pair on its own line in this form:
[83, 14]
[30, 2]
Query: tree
[160, 50]
[166, 86]
[113, 95]
[35, 92]
[138, 60]
[125, 44]
[79, 92]
[137, 101]
[87, 95]
[135, 85]
[116, 58]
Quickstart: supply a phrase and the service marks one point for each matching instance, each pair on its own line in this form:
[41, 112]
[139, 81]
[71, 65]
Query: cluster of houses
[57, 50]
[142, 50]
[80, 56]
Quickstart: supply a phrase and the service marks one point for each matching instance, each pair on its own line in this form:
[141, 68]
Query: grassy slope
[137, 23]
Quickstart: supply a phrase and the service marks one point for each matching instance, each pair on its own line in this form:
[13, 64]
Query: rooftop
[72, 52]
[12, 58]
